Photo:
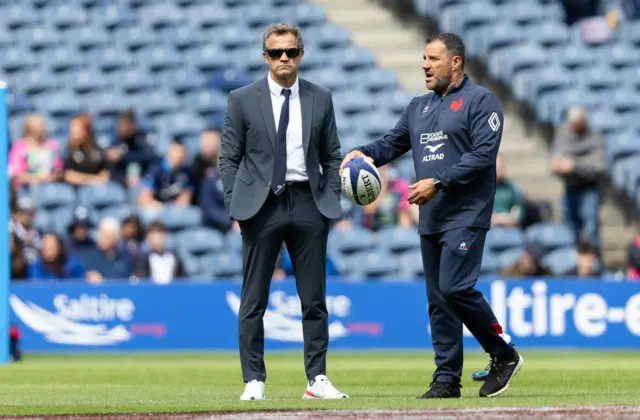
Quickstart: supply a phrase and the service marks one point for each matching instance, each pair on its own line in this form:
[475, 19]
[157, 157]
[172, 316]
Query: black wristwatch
[438, 185]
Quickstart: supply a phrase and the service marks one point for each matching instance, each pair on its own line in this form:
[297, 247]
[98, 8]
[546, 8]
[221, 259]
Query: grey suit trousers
[293, 219]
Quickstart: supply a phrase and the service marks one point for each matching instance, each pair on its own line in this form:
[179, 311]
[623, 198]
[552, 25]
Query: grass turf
[44, 384]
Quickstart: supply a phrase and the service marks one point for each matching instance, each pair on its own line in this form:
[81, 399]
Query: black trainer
[501, 372]
[442, 390]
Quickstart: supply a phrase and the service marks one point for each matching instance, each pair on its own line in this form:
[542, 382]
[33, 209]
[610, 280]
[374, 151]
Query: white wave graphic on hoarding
[281, 327]
[60, 330]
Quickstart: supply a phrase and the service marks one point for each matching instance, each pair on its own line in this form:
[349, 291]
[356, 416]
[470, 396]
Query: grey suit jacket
[248, 146]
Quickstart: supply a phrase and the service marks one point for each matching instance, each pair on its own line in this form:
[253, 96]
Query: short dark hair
[452, 42]
[156, 227]
[127, 114]
[282, 28]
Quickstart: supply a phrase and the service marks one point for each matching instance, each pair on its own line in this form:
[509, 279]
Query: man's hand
[562, 166]
[352, 155]
[423, 192]
[114, 154]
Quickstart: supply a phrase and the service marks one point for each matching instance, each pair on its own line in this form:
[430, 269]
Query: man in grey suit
[277, 134]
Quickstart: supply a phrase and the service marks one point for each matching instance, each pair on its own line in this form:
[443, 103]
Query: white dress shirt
[296, 166]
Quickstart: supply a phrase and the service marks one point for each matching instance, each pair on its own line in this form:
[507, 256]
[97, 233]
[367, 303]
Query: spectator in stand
[131, 153]
[79, 230]
[168, 182]
[633, 257]
[19, 265]
[23, 226]
[529, 264]
[211, 199]
[206, 161]
[132, 235]
[392, 206]
[54, 263]
[578, 159]
[85, 163]
[108, 260]
[34, 159]
[588, 264]
[159, 265]
[508, 209]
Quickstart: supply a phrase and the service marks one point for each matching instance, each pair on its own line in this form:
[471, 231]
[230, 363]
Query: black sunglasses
[276, 53]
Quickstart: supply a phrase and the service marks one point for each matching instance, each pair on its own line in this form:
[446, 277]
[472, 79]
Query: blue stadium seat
[461, 18]
[523, 13]
[500, 238]
[63, 60]
[158, 102]
[184, 38]
[208, 15]
[181, 124]
[233, 241]
[17, 59]
[37, 81]
[550, 235]
[349, 241]
[229, 79]
[237, 37]
[60, 219]
[256, 15]
[353, 57]
[622, 55]
[155, 16]
[59, 104]
[183, 80]
[396, 239]
[508, 258]
[206, 103]
[108, 103]
[328, 36]
[65, 16]
[484, 40]
[112, 16]
[208, 58]
[607, 122]
[561, 262]
[353, 102]
[375, 125]
[101, 196]
[19, 16]
[200, 241]
[161, 57]
[410, 263]
[134, 37]
[395, 101]
[508, 61]
[598, 78]
[373, 264]
[630, 32]
[53, 195]
[574, 56]
[41, 37]
[117, 211]
[490, 263]
[331, 77]
[134, 80]
[86, 81]
[224, 265]
[42, 221]
[550, 34]
[111, 58]
[375, 80]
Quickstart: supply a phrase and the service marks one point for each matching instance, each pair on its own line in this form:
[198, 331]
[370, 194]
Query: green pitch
[208, 382]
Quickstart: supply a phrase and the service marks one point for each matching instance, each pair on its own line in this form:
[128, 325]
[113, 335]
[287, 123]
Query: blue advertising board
[372, 315]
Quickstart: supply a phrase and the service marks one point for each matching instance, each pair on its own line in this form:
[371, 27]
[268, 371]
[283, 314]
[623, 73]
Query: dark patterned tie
[280, 161]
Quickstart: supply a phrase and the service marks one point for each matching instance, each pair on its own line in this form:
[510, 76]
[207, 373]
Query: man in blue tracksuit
[454, 133]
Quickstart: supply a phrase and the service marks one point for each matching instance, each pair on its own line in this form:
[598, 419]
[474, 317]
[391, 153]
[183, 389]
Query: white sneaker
[322, 388]
[254, 390]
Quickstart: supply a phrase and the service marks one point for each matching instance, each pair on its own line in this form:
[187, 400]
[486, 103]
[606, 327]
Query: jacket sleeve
[232, 148]
[485, 126]
[395, 143]
[330, 155]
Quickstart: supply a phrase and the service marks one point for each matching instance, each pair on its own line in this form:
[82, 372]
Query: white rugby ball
[361, 181]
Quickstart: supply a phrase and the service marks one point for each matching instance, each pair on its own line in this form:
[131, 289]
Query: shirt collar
[452, 89]
[276, 89]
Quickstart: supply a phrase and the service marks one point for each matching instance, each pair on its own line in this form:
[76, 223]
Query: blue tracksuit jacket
[454, 138]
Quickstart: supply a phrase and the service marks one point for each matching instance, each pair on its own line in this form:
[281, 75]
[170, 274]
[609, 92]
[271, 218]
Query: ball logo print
[494, 121]
[361, 181]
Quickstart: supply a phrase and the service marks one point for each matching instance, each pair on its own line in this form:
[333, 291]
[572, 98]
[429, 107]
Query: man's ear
[456, 62]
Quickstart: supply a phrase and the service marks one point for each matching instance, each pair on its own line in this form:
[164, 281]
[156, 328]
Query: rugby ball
[361, 181]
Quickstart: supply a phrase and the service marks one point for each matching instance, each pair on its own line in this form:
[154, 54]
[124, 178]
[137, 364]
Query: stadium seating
[175, 62]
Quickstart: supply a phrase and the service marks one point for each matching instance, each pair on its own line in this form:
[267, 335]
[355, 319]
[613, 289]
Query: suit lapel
[264, 99]
[306, 105]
